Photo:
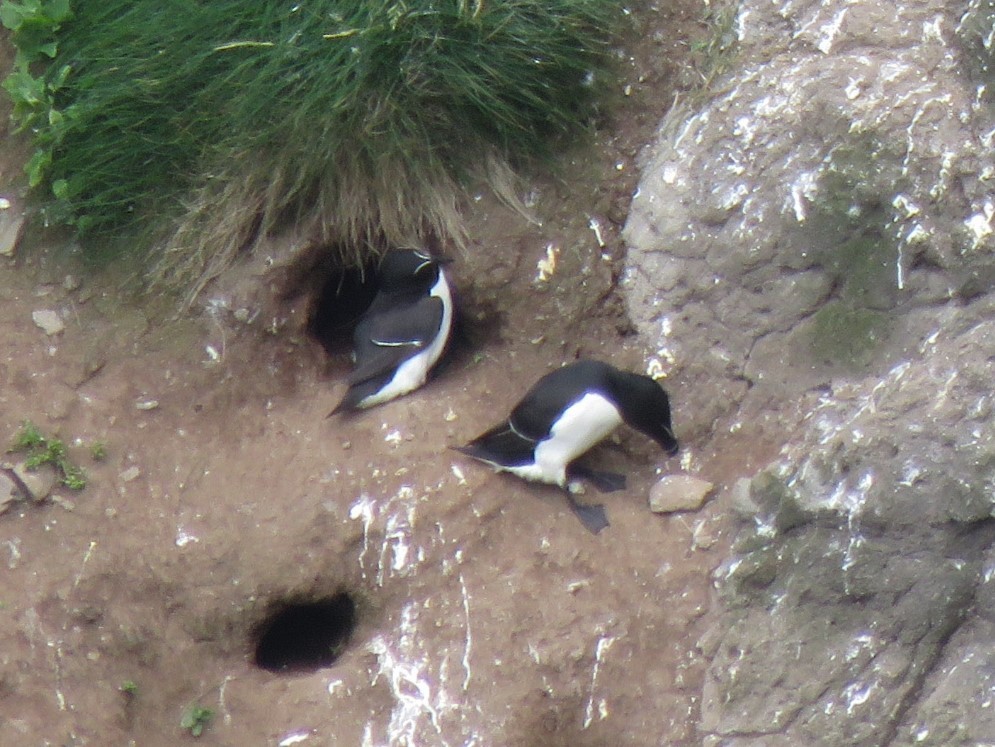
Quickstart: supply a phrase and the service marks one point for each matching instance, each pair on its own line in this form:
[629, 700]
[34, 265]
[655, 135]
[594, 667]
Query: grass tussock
[216, 122]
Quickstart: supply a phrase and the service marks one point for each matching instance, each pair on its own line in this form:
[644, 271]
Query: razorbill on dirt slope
[403, 333]
[563, 415]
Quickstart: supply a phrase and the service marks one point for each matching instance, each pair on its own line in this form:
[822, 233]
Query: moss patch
[851, 236]
[847, 337]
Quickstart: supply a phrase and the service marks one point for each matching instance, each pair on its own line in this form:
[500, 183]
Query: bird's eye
[422, 255]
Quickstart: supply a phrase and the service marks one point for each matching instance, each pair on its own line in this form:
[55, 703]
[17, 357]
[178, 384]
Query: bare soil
[485, 613]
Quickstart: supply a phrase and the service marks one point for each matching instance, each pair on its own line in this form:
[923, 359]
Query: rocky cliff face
[818, 236]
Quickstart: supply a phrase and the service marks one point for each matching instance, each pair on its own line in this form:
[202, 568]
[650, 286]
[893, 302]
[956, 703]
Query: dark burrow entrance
[341, 300]
[305, 636]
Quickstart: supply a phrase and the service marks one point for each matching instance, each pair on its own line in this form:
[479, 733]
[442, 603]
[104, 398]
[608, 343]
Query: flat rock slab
[679, 493]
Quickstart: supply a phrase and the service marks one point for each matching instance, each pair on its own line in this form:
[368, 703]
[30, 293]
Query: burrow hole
[305, 636]
[341, 298]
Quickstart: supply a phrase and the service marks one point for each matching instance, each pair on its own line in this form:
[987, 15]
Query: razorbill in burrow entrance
[563, 415]
[403, 333]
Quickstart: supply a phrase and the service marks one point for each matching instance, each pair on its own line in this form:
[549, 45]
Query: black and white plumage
[566, 413]
[403, 333]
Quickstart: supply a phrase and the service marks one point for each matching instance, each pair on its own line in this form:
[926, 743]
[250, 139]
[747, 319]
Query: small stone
[61, 402]
[71, 282]
[39, 481]
[65, 503]
[576, 487]
[91, 363]
[49, 321]
[679, 493]
[741, 500]
[10, 493]
[702, 537]
[11, 225]
[147, 404]
[130, 474]
[241, 315]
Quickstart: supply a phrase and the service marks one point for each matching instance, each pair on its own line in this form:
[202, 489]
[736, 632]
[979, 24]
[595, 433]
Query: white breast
[412, 373]
[582, 425]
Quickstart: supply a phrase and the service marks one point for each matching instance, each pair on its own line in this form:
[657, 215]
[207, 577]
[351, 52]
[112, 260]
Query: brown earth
[247, 498]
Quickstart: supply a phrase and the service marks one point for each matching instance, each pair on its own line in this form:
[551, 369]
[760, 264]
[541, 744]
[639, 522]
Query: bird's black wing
[534, 415]
[501, 446]
[383, 341]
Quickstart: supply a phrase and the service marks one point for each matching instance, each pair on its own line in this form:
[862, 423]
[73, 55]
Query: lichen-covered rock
[956, 705]
[863, 556]
[785, 233]
[819, 237]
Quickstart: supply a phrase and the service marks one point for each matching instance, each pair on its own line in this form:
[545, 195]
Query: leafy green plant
[196, 718]
[361, 122]
[43, 450]
[34, 25]
[28, 437]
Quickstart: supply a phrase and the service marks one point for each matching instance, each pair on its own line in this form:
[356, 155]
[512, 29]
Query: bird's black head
[646, 408]
[408, 270]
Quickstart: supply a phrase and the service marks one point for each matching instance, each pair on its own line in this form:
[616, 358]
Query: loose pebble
[49, 321]
[132, 473]
[679, 493]
[64, 503]
[11, 226]
[9, 492]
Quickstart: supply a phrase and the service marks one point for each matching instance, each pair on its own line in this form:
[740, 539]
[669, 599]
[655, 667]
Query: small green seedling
[196, 718]
[42, 450]
[98, 451]
[129, 688]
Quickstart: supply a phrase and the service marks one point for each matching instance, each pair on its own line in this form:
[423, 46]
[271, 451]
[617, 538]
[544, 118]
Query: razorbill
[404, 331]
[563, 415]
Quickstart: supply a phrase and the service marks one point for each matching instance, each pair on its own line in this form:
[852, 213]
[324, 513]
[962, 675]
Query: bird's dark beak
[669, 442]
